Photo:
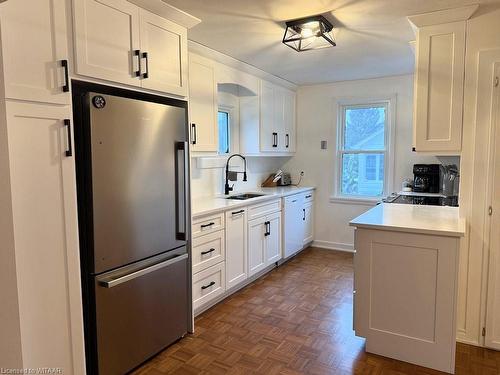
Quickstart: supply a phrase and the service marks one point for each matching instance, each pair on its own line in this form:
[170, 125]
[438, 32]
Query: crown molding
[443, 16]
[161, 8]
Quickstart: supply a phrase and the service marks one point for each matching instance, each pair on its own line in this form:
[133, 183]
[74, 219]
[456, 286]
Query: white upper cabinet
[34, 42]
[268, 131]
[277, 119]
[164, 48]
[289, 126]
[107, 40]
[203, 104]
[117, 41]
[439, 80]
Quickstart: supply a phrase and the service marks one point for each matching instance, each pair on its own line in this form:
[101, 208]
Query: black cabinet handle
[208, 285]
[146, 73]
[137, 53]
[413, 149]
[268, 228]
[275, 139]
[237, 212]
[193, 134]
[64, 64]
[304, 217]
[181, 182]
[287, 137]
[308, 196]
[69, 150]
[206, 225]
[208, 251]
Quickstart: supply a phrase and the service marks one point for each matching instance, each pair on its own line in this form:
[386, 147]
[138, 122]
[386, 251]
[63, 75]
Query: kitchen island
[405, 282]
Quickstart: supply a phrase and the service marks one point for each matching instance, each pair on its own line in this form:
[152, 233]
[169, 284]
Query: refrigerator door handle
[181, 176]
[133, 275]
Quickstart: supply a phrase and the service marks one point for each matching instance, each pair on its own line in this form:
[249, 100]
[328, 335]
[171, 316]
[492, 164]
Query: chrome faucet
[228, 188]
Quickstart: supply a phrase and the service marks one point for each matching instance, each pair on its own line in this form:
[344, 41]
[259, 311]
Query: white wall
[316, 121]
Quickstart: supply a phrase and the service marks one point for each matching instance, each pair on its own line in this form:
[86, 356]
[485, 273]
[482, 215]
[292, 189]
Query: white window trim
[339, 103]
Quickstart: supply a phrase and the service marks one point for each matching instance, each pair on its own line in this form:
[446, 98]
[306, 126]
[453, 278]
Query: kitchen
[270, 226]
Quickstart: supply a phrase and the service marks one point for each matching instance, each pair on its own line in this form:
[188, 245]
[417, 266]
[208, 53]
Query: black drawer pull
[212, 283]
[69, 150]
[146, 73]
[275, 139]
[208, 251]
[304, 217]
[237, 212]
[193, 134]
[206, 225]
[64, 64]
[308, 196]
[137, 53]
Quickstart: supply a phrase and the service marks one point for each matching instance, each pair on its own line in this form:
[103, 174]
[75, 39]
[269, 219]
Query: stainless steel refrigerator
[133, 195]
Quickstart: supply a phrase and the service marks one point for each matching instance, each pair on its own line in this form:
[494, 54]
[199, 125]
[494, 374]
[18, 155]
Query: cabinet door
[164, 54]
[439, 86]
[307, 222]
[34, 42]
[294, 227]
[279, 118]
[203, 104]
[43, 192]
[289, 131]
[236, 245]
[106, 40]
[256, 245]
[273, 239]
[268, 132]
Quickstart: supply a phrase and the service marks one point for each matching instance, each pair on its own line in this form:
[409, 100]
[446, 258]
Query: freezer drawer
[140, 310]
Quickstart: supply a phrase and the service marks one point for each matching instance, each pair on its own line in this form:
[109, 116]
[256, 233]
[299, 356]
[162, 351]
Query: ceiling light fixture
[308, 33]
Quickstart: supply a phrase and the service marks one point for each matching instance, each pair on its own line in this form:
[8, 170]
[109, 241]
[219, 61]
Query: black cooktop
[425, 200]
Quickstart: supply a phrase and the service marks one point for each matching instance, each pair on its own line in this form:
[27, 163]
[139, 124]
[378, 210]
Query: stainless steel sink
[242, 197]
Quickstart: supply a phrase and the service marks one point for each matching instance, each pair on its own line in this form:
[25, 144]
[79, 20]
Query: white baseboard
[334, 246]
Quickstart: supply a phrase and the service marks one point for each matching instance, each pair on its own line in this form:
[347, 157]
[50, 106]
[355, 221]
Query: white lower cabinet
[308, 223]
[208, 250]
[39, 233]
[208, 284]
[264, 241]
[405, 296]
[236, 245]
[298, 217]
[273, 241]
[256, 245]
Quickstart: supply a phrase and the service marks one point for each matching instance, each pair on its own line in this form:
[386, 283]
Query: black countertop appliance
[426, 178]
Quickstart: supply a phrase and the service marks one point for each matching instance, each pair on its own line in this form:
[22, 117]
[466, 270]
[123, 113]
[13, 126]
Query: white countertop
[436, 220]
[209, 205]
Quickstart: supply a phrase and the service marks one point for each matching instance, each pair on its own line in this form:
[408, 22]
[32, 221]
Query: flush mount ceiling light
[308, 33]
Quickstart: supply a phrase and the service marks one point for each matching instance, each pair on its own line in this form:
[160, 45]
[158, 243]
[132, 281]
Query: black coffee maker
[426, 178]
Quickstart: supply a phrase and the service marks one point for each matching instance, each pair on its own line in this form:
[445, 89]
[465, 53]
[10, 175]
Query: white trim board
[328, 245]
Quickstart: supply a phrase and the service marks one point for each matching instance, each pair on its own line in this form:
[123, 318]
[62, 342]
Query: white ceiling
[372, 35]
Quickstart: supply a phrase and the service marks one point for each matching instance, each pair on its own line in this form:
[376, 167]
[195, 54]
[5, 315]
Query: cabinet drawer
[263, 209]
[308, 196]
[208, 284]
[207, 224]
[208, 250]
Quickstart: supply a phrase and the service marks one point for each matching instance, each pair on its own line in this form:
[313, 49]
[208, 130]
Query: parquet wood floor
[295, 320]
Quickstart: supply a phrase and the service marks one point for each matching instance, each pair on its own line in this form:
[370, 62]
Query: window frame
[230, 111]
[340, 107]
